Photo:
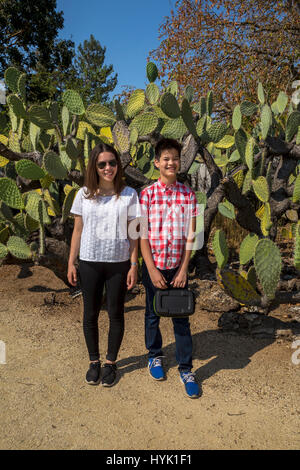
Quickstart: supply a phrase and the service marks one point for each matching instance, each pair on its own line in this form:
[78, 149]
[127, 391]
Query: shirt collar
[164, 187]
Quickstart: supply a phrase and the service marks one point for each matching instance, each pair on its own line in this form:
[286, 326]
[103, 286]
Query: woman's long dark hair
[91, 180]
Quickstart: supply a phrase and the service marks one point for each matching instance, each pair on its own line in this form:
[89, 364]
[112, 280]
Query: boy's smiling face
[168, 165]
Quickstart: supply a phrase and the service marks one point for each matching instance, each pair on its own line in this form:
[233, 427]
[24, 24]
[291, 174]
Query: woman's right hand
[72, 274]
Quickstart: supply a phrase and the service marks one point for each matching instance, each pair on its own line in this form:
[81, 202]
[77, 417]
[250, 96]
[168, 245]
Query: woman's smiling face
[107, 166]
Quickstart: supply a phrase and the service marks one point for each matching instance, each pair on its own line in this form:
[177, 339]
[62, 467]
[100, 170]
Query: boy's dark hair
[166, 144]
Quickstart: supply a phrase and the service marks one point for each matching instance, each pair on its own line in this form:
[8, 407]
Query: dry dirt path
[250, 387]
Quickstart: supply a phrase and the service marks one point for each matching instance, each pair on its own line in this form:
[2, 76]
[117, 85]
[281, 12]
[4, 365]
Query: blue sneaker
[155, 368]
[191, 386]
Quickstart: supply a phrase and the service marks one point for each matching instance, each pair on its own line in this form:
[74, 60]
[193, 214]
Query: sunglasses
[102, 165]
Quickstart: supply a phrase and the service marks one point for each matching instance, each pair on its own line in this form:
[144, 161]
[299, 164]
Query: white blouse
[104, 235]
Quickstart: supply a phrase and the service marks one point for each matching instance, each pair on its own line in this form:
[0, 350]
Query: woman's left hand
[132, 277]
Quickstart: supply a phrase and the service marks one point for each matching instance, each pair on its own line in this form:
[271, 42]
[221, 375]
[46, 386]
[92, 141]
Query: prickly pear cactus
[220, 248]
[267, 262]
[238, 287]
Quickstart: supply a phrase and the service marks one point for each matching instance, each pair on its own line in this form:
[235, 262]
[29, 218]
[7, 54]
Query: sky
[128, 29]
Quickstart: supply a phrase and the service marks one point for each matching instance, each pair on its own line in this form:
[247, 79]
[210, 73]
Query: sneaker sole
[109, 385]
[189, 396]
[73, 296]
[93, 383]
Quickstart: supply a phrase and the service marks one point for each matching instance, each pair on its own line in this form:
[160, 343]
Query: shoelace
[156, 362]
[188, 377]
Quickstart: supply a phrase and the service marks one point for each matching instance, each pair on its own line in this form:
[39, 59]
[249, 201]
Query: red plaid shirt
[167, 212]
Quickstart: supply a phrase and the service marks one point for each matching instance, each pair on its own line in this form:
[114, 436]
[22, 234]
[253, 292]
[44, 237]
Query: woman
[102, 210]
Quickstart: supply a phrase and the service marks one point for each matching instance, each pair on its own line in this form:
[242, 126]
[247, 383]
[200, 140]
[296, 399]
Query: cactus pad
[152, 93]
[73, 101]
[152, 72]
[18, 247]
[3, 251]
[261, 188]
[248, 108]
[135, 103]
[267, 262]
[220, 248]
[249, 152]
[237, 118]
[10, 194]
[292, 125]
[67, 204]
[282, 101]
[216, 131]
[54, 166]
[261, 93]
[187, 117]
[30, 170]
[145, 123]
[247, 248]
[11, 77]
[238, 287]
[265, 121]
[40, 117]
[174, 129]
[36, 208]
[121, 136]
[296, 192]
[169, 105]
[225, 143]
[17, 106]
[99, 115]
[226, 209]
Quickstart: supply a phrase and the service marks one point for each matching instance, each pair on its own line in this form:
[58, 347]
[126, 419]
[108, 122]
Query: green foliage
[220, 248]
[152, 72]
[247, 248]
[10, 193]
[73, 102]
[135, 103]
[238, 287]
[99, 115]
[267, 262]
[261, 188]
[18, 247]
[30, 170]
[169, 105]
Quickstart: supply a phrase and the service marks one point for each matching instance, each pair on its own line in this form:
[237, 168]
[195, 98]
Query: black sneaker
[109, 375]
[75, 292]
[93, 374]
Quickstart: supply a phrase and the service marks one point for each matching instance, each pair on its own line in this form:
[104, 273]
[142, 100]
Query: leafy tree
[28, 40]
[26, 28]
[89, 75]
[230, 45]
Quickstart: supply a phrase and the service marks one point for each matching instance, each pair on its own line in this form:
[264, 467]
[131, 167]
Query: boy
[168, 207]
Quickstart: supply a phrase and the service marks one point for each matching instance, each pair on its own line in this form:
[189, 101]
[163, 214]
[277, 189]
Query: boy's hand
[157, 279]
[180, 278]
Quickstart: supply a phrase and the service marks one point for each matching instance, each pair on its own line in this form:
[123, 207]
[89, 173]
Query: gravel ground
[249, 386]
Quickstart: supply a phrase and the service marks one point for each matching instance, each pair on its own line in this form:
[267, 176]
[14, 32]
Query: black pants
[93, 277]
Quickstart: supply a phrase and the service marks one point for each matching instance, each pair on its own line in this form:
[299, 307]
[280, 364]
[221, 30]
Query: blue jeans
[182, 332]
